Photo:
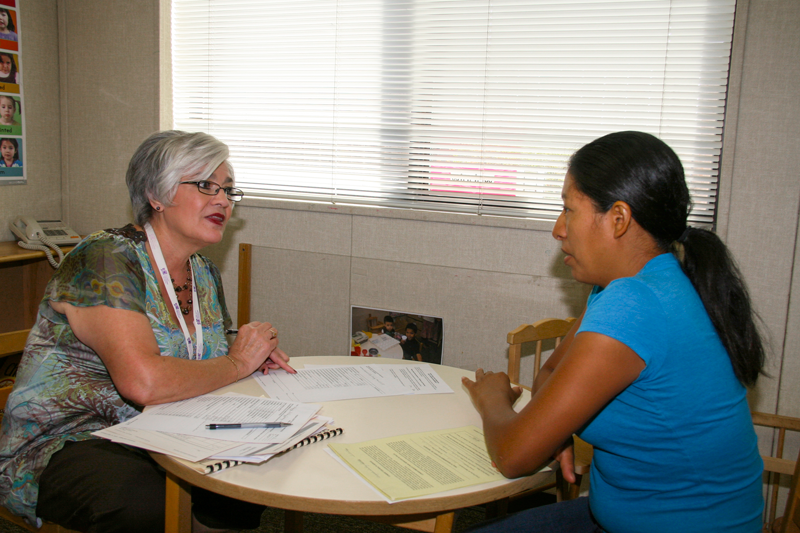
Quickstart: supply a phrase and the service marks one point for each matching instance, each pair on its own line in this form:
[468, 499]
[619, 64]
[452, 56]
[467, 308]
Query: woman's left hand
[491, 390]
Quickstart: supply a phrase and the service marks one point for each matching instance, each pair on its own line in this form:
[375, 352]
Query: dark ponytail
[642, 171]
[714, 274]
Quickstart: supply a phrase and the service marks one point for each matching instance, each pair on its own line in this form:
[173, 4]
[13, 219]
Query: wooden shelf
[11, 252]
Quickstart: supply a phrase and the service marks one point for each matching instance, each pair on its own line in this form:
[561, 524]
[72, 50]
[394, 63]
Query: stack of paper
[179, 428]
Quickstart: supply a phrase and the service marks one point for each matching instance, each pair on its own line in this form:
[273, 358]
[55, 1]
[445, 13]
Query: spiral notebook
[209, 466]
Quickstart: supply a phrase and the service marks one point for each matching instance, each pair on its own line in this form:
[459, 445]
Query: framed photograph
[396, 334]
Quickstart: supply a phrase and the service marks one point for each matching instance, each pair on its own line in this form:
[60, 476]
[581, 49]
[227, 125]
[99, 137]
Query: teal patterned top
[63, 392]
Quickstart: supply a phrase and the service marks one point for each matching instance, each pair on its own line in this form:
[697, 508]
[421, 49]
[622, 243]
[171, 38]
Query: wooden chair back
[548, 328]
[776, 466]
[10, 344]
[243, 303]
[538, 332]
[13, 343]
[374, 325]
[791, 517]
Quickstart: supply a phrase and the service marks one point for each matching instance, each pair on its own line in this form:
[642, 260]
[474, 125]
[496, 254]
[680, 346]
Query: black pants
[100, 486]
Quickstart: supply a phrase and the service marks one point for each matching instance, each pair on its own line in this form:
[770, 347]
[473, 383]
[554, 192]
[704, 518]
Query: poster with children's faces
[12, 123]
[396, 335]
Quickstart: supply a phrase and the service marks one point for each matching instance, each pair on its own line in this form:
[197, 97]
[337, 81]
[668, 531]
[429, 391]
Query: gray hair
[157, 166]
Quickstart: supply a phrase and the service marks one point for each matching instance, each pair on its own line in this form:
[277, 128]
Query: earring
[158, 208]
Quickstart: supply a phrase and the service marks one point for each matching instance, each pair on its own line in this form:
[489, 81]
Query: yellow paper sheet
[419, 464]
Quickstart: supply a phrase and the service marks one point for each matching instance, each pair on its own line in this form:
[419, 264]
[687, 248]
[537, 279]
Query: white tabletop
[309, 479]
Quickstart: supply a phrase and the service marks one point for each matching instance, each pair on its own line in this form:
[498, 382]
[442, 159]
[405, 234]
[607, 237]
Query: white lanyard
[173, 298]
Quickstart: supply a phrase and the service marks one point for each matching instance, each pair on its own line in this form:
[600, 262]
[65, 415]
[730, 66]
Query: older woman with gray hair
[133, 317]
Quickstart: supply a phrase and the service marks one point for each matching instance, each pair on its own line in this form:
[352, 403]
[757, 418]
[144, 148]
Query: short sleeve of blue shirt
[623, 311]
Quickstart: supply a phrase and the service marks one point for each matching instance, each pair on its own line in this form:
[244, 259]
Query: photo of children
[9, 72]
[9, 153]
[8, 29]
[10, 115]
[395, 334]
[11, 170]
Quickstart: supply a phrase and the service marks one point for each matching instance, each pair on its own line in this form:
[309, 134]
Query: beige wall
[483, 276]
[310, 265]
[110, 92]
[763, 185]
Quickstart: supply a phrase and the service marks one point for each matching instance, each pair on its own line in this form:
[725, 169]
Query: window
[471, 106]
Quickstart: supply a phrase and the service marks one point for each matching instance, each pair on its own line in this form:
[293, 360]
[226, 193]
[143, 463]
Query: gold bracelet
[234, 366]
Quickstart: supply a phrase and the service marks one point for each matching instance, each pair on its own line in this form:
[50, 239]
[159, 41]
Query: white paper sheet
[421, 379]
[183, 446]
[417, 378]
[345, 382]
[330, 383]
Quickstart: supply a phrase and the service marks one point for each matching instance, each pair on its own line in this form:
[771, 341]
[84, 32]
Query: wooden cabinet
[23, 277]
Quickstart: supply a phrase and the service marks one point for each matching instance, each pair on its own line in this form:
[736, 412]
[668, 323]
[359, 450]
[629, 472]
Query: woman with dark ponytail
[654, 373]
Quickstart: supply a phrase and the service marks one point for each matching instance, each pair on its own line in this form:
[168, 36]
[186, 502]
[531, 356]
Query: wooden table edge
[415, 506]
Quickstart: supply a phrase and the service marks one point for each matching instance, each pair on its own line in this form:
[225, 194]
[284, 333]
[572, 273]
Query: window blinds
[471, 106]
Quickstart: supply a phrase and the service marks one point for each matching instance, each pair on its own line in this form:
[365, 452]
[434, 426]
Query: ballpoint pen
[248, 425]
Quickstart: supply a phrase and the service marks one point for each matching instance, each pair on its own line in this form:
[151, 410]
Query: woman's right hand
[256, 346]
[565, 455]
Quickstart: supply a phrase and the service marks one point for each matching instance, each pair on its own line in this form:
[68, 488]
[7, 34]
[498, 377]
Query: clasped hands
[256, 348]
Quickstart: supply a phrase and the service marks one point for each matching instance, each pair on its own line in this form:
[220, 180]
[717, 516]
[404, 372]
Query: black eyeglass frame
[228, 190]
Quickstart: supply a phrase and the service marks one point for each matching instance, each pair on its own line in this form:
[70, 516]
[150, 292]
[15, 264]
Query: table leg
[497, 508]
[292, 521]
[444, 522]
[178, 511]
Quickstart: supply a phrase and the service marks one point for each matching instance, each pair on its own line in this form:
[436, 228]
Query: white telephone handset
[39, 234]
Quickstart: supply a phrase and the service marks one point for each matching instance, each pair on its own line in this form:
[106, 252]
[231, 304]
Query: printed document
[345, 382]
[419, 464]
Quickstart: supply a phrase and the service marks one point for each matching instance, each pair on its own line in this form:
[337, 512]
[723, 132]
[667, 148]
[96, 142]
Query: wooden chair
[12, 344]
[374, 325]
[775, 466]
[544, 330]
[791, 517]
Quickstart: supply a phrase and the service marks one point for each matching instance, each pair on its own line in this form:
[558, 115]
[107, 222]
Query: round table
[308, 479]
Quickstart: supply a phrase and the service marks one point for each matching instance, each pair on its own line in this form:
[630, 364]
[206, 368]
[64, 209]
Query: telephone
[41, 234]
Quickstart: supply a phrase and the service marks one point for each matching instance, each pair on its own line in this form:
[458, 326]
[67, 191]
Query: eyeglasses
[211, 189]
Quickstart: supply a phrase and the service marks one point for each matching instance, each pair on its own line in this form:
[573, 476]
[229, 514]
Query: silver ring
[274, 333]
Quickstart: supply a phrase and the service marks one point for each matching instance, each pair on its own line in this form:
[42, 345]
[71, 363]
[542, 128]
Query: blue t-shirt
[676, 450]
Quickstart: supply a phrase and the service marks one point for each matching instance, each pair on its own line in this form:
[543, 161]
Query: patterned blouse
[63, 392]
